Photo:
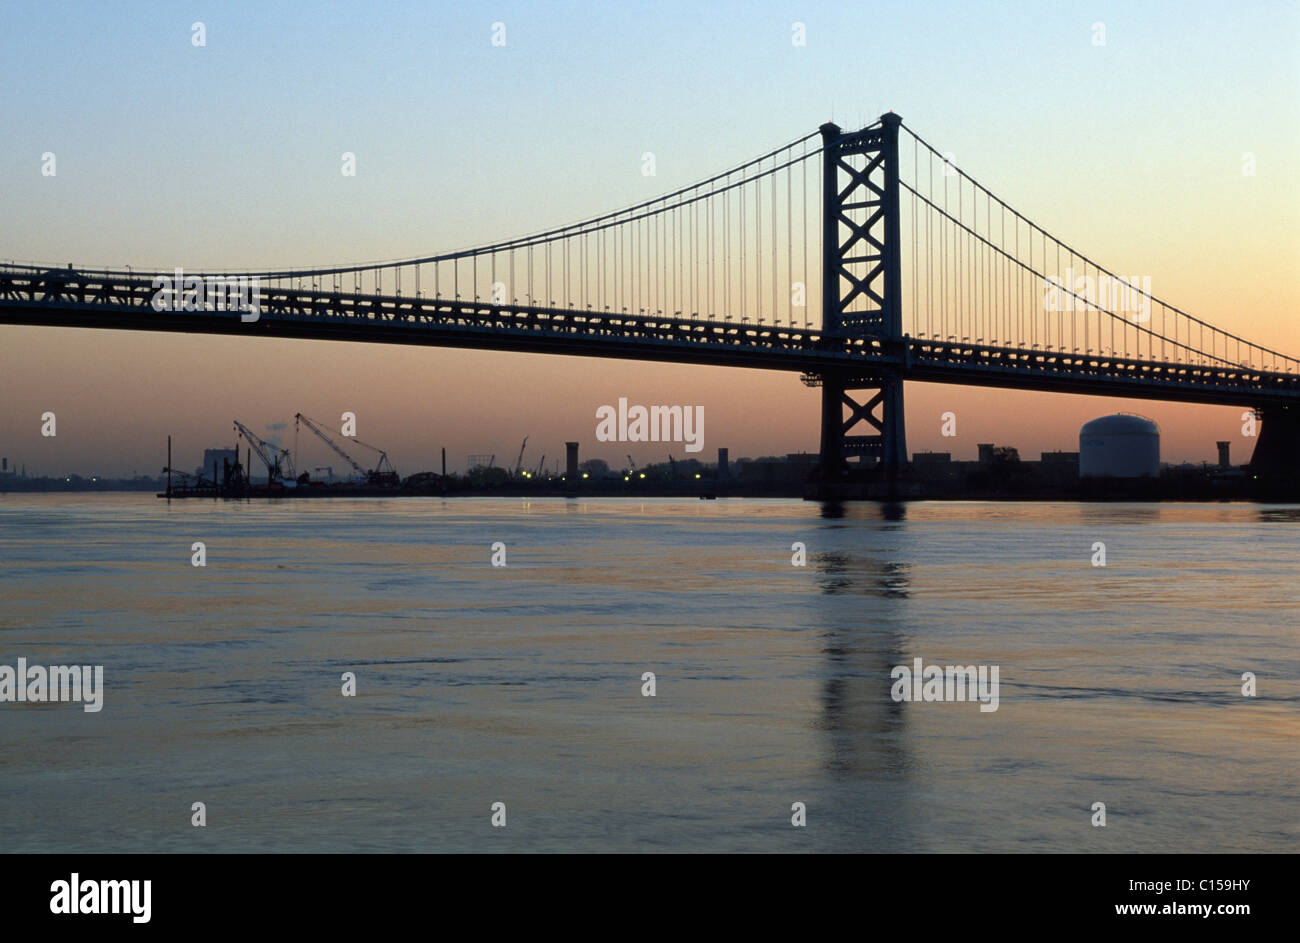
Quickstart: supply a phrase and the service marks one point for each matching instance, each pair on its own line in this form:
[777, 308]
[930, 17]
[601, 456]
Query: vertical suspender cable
[789, 245]
[806, 300]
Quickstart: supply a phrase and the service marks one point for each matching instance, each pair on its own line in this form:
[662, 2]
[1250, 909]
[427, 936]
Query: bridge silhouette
[918, 272]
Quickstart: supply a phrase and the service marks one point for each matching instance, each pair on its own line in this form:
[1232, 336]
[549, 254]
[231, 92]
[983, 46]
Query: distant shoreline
[1154, 490]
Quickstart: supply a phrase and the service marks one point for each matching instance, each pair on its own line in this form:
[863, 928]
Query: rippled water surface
[522, 685]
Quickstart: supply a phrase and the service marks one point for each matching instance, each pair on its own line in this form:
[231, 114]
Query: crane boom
[274, 459]
[320, 433]
[519, 462]
[384, 470]
[383, 474]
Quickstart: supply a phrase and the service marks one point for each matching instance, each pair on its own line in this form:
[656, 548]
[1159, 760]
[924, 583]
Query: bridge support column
[832, 439]
[884, 448]
[892, 428]
[1275, 465]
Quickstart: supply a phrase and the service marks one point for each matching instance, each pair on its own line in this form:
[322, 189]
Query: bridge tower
[862, 298]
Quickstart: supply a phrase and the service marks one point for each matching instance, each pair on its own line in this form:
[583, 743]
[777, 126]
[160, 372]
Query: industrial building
[212, 462]
[1119, 446]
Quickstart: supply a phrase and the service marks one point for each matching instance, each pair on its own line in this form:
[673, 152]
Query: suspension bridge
[858, 259]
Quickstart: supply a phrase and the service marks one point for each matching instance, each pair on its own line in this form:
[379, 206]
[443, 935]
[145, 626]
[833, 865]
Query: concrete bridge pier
[1275, 464]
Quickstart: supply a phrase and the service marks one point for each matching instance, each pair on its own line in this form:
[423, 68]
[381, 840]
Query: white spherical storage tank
[1120, 446]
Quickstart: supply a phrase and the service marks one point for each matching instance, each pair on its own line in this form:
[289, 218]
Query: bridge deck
[62, 298]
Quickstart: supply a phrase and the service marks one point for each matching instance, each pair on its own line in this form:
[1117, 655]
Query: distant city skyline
[317, 457]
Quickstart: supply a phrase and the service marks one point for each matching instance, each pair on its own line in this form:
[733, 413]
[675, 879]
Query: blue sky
[457, 139]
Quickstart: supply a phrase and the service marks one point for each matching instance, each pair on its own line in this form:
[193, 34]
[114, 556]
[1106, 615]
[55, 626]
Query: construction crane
[631, 464]
[519, 462]
[672, 463]
[538, 474]
[383, 473]
[277, 461]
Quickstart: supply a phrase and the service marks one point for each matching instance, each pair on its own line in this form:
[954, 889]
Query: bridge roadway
[119, 301]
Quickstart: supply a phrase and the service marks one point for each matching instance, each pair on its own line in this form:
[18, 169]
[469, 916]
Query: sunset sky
[227, 156]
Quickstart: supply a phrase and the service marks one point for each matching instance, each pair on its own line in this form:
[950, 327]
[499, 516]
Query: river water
[523, 684]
